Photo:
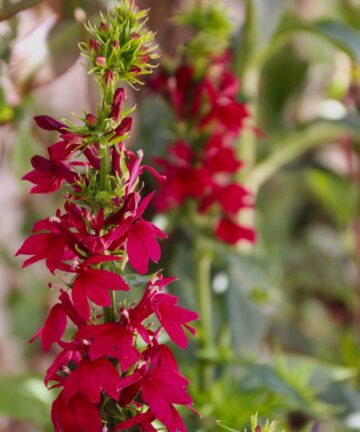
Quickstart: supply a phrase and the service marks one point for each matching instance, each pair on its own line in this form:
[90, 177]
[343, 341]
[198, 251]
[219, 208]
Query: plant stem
[104, 170]
[109, 312]
[203, 259]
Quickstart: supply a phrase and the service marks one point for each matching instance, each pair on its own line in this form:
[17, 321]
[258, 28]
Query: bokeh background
[287, 311]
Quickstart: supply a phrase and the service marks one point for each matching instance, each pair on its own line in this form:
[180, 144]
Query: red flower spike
[101, 229]
[206, 175]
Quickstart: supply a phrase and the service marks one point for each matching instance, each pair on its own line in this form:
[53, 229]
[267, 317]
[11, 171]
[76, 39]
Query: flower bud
[108, 77]
[91, 119]
[100, 61]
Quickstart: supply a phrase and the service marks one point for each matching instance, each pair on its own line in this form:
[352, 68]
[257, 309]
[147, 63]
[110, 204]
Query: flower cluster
[112, 370]
[203, 164]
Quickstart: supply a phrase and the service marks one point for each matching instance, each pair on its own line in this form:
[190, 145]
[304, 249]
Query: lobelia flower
[204, 168]
[111, 371]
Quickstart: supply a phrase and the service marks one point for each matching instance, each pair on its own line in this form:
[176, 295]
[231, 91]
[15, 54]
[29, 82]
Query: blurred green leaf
[244, 316]
[6, 112]
[337, 33]
[341, 35]
[275, 93]
[25, 398]
[296, 144]
[335, 192]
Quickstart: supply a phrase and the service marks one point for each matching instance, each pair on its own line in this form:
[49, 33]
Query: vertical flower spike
[202, 93]
[113, 374]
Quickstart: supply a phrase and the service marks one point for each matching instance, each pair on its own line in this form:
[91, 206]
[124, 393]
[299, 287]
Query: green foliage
[336, 193]
[26, 398]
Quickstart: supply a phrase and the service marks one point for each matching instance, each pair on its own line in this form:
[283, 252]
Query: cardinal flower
[90, 378]
[173, 318]
[78, 414]
[112, 340]
[94, 284]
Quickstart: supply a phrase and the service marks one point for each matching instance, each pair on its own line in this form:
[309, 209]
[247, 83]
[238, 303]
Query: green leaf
[25, 398]
[136, 280]
[335, 192]
[338, 34]
[296, 144]
[342, 36]
[244, 315]
[277, 95]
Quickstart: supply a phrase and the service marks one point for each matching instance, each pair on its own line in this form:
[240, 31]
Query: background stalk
[203, 259]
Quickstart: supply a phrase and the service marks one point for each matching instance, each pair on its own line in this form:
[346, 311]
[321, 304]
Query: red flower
[110, 339]
[142, 245]
[230, 232]
[94, 284]
[48, 175]
[162, 387]
[173, 318]
[118, 103]
[78, 415]
[51, 245]
[53, 329]
[48, 123]
[89, 378]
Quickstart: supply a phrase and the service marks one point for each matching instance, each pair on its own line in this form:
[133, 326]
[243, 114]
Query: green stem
[109, 312]
[203, 259]
[104, 170]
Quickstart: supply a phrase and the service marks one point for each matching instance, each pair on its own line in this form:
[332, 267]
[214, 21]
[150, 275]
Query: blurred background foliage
[286, 312]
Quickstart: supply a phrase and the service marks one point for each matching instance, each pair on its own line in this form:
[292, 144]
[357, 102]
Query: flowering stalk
[112, 371]
[202, 167]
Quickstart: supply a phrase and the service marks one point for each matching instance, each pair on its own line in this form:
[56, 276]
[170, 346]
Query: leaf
[341, 35]
[296, 144]
[335, 192]
[351, 121]
[25, 398]
[225, 427]
[276, 95]
[136, 280]
[244, 316]
[336, 33]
